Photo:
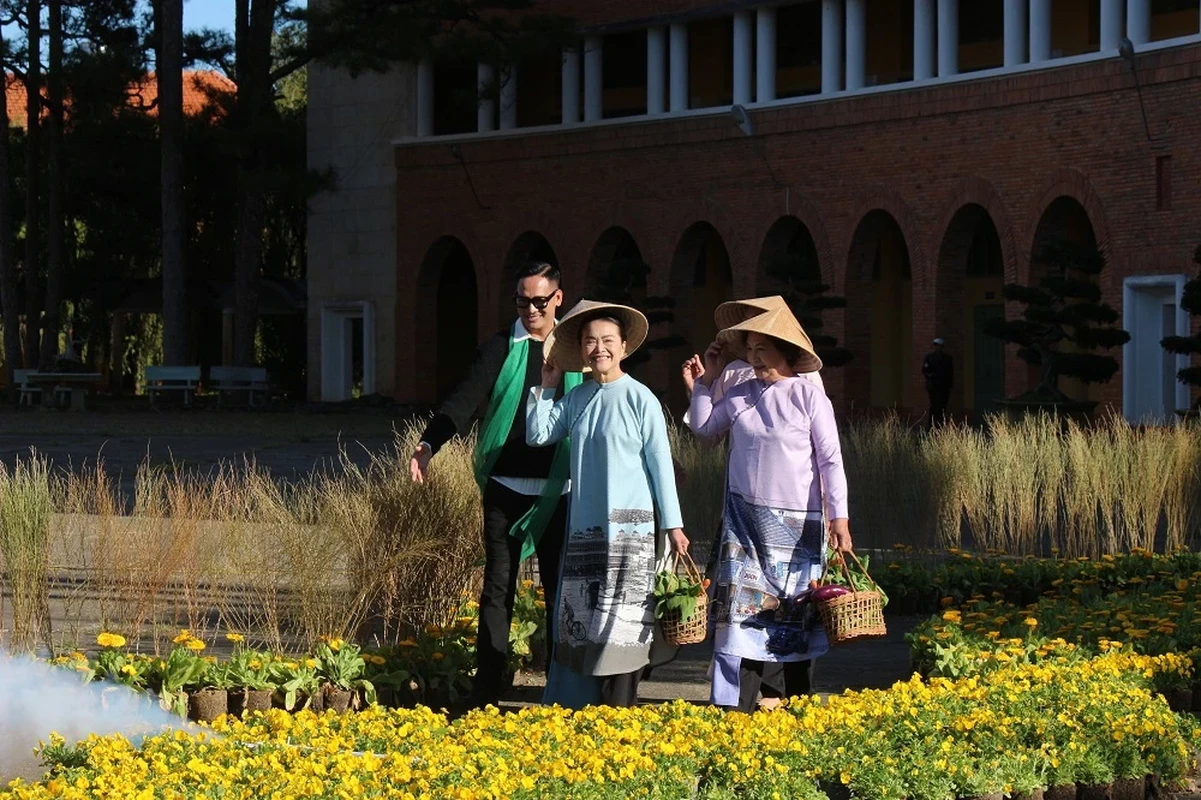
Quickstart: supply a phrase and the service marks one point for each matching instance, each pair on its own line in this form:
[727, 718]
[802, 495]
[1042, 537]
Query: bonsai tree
[807, 296]
[1190, 301]
[1064, 306]
[620, 282]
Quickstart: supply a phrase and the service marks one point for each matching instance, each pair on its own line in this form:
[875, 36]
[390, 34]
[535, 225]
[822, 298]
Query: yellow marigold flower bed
[1018, 727]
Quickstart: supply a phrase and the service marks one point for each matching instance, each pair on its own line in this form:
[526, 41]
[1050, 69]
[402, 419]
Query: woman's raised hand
[551, 375]
[694, 371]
[713, 361]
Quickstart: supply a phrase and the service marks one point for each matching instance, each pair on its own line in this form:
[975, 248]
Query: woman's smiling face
[603, 346]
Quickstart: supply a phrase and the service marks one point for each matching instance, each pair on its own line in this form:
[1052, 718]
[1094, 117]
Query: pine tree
[1190, 301]
[1064, 306]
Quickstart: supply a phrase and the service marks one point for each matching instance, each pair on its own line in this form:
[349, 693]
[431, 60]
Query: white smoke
[37, 699]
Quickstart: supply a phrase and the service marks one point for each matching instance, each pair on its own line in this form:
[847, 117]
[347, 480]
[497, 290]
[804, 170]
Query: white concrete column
[656, 70]
[831, 46]
[1015, 32]
[1040, 31]
[1138, 21]
[425, 97]
[593, 79]
[948, 37]
[765, 54]
[1111, 24]
[923, 39]
[856, 24]
[744, 44]
[508, 99]
[678, 72]
[485, 109]
[571, 87]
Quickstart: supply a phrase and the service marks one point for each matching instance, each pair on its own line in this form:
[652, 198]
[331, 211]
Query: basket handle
[846, 572]
[685, 560]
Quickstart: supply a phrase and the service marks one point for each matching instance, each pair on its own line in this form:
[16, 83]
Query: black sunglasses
[539, 303]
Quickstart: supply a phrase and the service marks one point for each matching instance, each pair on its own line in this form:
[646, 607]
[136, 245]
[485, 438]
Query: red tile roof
[198, 88]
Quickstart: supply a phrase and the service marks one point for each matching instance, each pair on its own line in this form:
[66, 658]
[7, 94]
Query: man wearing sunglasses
[524, 489]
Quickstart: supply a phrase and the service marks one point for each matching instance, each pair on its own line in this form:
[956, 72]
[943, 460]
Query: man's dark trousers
[502, 559]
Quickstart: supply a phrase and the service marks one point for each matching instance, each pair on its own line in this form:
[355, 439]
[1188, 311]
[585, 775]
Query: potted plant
[182, 668]
[1190, 301]
[340, 665]
[249, 678]
[1063, 307]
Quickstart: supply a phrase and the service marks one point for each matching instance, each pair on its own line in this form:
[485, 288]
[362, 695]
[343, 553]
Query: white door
[347, 337]
[1150, 392]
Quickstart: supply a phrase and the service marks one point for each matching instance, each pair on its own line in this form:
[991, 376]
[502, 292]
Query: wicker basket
[692, 630]
[857, 615]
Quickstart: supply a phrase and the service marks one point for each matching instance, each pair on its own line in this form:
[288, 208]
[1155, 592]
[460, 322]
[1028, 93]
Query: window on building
[455, 97]
[711, 63]
[540, 91]
[624, 74]
[1172, 18]
[889, 42]
[799, 50]
[981, 35]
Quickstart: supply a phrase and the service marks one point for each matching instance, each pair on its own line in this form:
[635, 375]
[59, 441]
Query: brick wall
[1010, 145]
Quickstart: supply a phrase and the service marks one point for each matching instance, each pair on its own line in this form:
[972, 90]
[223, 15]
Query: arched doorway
[1064, 222]
[971, 282]
[529, 246]
[789, 255]
[617, 273]
[701, 280]
[447, 309]
[880, 315]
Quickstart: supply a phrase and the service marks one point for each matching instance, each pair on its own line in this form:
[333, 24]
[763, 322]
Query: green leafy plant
[677, 594]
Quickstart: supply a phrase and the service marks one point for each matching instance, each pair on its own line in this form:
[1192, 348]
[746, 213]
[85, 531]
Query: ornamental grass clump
[25, 549]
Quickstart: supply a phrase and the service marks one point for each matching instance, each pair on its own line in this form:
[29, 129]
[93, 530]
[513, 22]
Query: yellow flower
[183, 637]
[527, 584]
[129, 669]
[110, 640]
[235, 637]
[193, 644]
[1030, 622]
[335, 644]
[437, 656]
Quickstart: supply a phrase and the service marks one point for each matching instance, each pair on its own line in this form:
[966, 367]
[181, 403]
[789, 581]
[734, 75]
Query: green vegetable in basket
[859, 579]
[677, 593]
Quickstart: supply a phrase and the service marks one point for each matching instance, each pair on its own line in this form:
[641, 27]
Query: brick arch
[979, 192]
[448, 291]
[806, 212]
[1063, 182]
[881, 199]
[734, 236]
[695, 303]
[874, 358]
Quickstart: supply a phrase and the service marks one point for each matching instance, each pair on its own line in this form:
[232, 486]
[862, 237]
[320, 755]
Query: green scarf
[507, 397]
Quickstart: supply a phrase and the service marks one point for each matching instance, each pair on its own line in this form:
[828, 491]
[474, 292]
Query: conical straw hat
[779, 324]
[562, 346]
[730, 314]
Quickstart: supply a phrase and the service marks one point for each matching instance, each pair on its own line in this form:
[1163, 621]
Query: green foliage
[1065, 306]
[676, 594]
[1190, 301]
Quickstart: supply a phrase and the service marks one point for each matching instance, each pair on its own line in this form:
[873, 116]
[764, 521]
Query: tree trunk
[56, 181]
[253, 30]
[9, 304]
[33, 112]
[171, 124]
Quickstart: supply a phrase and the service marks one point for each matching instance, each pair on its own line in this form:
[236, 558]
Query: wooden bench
[159, 379]
[252, 380]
